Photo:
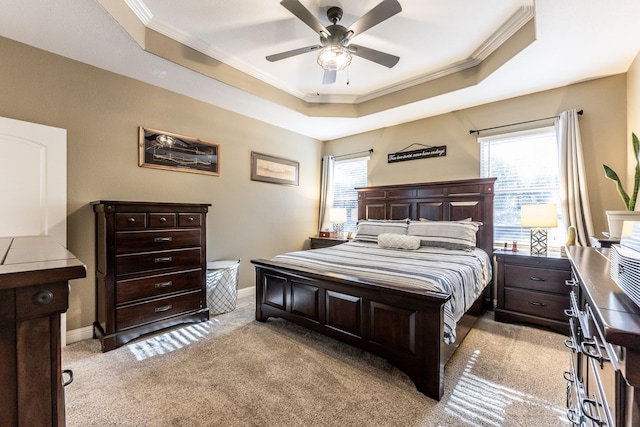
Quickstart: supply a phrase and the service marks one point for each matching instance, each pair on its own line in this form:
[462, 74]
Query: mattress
[463, 274]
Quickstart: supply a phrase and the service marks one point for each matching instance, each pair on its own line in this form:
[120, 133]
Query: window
[347, 176]
[526, 165]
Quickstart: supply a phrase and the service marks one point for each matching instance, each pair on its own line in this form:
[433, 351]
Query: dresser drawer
[157, 285]
[162, 220]
[539, 279]
[161, 260]
[131, 221]
[156, 240]
[540, 304]
[41, 300]
[147, 312]
[189, 220]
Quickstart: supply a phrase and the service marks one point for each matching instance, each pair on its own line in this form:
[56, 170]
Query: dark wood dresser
[603, 376]
[532, 289]
[34, 291]
[150, 268]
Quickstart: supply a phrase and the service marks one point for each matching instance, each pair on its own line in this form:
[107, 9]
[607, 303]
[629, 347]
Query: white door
[33, 182]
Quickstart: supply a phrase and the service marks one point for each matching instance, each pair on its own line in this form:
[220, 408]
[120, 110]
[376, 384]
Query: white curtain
[573, 180]
[326, 193]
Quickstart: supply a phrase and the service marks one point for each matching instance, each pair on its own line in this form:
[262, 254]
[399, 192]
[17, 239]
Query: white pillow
[369, 230]
[445, 234]
[398, 241]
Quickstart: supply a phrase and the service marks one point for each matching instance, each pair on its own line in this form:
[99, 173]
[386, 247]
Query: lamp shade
[541, 215]
[338, 215]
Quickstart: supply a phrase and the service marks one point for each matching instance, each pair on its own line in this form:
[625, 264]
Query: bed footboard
[403, 326]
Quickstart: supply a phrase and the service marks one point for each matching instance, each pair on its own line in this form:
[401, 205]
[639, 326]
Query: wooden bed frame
[404, 326]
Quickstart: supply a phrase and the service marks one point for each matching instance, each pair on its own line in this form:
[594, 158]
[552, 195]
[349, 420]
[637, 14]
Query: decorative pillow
[398, 241]
[445, 234]
[369, 230]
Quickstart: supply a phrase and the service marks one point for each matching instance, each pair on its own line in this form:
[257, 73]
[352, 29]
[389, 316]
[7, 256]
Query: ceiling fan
[335, 48]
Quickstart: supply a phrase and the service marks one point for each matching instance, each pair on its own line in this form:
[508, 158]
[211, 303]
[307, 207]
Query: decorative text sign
[423, 153]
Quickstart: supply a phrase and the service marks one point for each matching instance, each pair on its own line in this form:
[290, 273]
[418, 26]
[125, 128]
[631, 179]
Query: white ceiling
[576, 40]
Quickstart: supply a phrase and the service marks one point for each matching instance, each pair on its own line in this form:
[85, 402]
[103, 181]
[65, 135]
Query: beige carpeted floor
[234, 371]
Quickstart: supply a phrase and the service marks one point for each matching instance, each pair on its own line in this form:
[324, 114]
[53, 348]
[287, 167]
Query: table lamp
[338, 216]
[539, 218]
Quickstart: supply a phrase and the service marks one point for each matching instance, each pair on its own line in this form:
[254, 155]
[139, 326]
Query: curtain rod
[370, 150]
[471, 132]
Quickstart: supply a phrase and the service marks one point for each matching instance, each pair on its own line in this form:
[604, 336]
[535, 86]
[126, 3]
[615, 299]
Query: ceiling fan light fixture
[334, 57]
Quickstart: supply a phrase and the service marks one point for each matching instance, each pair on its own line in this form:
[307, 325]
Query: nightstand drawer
[544, 305]
[538, 279]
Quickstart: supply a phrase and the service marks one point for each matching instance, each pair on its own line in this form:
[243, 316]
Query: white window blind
[526, 165]
[348, 175]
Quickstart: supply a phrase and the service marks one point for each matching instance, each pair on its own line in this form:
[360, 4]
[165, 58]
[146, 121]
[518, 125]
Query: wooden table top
[30, 260]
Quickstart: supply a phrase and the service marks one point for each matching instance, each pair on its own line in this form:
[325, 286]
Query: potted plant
[616, 218]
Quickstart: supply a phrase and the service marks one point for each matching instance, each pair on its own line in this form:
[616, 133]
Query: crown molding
[523, 15]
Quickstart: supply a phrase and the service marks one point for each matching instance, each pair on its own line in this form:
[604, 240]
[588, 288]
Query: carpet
[235, 371]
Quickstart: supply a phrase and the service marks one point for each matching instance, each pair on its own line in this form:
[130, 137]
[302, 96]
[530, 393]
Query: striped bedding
[463, 274]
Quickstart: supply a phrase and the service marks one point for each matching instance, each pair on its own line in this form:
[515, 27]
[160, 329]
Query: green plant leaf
[610, 173]
[629, 201]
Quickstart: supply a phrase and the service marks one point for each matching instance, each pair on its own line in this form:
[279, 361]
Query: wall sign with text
[423, 153]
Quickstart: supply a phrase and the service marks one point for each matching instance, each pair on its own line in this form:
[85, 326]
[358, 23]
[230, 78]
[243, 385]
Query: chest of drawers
[150, 268]
[603, 374]
[532, 289]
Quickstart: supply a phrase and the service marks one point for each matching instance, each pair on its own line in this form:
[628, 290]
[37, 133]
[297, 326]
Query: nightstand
[601, 242]
[531, 289]
[325, 242]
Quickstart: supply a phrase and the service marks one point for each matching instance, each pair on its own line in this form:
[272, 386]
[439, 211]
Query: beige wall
[633, 117]
[102, 111]
[603, 129]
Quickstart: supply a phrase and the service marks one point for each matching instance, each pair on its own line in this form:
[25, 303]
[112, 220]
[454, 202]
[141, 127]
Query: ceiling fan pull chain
[348, 78]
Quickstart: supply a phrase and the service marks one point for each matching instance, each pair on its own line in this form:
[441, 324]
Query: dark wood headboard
[437, 201]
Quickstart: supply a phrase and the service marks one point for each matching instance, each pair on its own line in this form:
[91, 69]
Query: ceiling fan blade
[383, 11]
[290, 53]
[374, 55]
[329, 77]
[303, 14]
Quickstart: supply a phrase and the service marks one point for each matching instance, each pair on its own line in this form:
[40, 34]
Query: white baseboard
[87, 332]
[79, 334]
[244, 292]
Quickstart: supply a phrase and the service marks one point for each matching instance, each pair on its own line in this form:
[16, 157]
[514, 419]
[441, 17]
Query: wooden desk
[34, 291]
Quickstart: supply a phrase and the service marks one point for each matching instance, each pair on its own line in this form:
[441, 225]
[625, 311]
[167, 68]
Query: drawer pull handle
[537, 279]
[163, 219]
[574, 417]
[164, 284]
[587, 412]
[163, 259]
[537, 304]
[42, 298]
[571, 282]
[592, 349]
[162, 239]
[163, 308]
[131, 220]
[68, 372]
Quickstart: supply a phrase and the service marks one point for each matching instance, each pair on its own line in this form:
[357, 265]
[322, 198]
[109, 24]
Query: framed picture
[275, 170]
[165, 150]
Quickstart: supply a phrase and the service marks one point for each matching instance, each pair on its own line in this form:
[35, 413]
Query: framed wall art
[165, 150]
[275, 170]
